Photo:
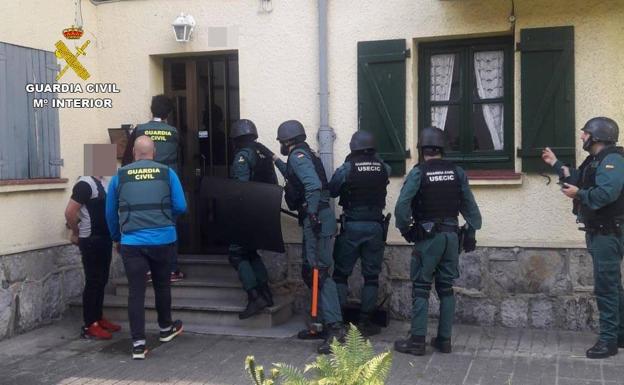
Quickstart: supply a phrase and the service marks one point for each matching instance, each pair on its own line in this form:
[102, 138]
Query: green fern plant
[353, 363]
[256, 372]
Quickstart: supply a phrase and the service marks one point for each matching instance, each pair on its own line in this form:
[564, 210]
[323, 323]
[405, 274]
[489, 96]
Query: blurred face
[584, 136]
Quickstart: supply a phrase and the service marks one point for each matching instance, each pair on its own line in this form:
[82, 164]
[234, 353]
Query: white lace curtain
[441, 79]
[489, 74]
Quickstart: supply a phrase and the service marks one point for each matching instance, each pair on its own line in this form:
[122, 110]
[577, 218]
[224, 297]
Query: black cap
[290, 130]
[362, 140]
[432, 137]
[243, 127]
[602, 129]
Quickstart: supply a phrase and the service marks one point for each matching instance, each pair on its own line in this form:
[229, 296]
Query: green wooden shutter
[381, 98]
[547, 67]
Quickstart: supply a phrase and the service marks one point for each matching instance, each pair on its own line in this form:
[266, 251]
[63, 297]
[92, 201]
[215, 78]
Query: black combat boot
[413, 345]
[443, 345]
[265, 292]
[620, 342]
[307, 334]
[367, 327]
[602, 349]
[335, 330]
[255, 304]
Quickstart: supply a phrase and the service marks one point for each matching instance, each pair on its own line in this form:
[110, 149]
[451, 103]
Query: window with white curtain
[466, 90]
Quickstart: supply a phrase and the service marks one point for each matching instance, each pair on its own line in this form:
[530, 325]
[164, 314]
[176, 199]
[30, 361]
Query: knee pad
[340, 278]
[371, 280]
[421, 289]
[444, 289]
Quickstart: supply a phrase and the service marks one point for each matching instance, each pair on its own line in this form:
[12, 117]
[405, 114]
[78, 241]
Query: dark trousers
[96, 258]
[137, 261]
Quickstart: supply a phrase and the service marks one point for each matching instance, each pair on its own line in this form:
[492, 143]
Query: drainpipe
[326, 135]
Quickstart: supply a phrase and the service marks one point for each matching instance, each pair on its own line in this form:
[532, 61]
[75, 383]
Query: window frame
[465, 49]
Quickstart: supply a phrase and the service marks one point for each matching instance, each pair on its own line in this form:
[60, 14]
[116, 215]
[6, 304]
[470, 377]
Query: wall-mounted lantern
[183, 27]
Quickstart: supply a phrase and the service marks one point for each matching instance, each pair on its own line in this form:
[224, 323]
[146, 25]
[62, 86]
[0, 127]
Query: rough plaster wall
[35, 219]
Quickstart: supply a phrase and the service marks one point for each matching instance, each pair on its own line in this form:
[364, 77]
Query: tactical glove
[470, 241]
[315, 223]
[264, 150]
[410, 234]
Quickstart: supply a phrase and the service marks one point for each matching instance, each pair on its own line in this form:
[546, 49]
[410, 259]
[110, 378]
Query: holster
[461, 235]
[386, 226]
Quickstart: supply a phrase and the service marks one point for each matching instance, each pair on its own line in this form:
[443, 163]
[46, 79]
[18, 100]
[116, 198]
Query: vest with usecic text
[606, 214]
[165, 138]
[144, 196]
[439, 196]
[294, 191]
[366, 183]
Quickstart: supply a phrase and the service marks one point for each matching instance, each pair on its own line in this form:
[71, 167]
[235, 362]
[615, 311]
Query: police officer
[167, 141]
[251, 164]
[597, 190]
[142, 202]
[306, 191]
[361, 183]
[433, 195]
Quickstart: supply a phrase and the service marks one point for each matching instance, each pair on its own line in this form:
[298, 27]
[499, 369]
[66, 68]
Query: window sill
[493, 177]
[18, 185]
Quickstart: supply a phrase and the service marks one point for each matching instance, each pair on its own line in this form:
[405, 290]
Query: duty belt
[444, 228]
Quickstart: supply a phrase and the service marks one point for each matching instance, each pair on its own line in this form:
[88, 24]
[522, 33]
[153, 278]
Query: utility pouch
[343, 221]
[461, 235]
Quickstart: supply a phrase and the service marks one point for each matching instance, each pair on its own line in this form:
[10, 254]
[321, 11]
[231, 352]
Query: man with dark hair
[85, 215]
[166, 139]
[144, 198]
[251, 163]
[361, 184]
[597, 191]
[434, 193]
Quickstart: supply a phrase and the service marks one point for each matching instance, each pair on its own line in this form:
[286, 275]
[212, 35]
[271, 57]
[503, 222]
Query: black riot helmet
[432, 137]
[362, 140]
[290, 130]
[243, 127]
[601, 129]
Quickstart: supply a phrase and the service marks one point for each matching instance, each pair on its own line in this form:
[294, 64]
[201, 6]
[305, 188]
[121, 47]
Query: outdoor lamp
[183, 27]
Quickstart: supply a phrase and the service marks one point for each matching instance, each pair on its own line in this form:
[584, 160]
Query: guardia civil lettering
[72, 88]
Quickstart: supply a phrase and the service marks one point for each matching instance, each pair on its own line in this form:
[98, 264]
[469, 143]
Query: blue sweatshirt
[144, 237]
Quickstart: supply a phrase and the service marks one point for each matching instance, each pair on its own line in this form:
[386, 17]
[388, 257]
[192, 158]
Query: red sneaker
[107, 325]
[95, 331]
[176, 276]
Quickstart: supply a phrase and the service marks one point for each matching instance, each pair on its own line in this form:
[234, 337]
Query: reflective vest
[144, 196]
[165, 139]
[294, 191]
[604, 215]
[439, 196]
[366, 183]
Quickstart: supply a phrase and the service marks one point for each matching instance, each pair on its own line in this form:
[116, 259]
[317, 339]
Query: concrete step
[214, 288]
[202, 267]
[203, 312]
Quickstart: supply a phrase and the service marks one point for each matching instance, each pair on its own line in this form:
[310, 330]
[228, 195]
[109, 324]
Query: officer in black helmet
[434, 193]
[251, 163]
[306, 191]
[597, 190]
[361, 184]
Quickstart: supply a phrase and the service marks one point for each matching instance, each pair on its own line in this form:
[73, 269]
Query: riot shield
[248, 213]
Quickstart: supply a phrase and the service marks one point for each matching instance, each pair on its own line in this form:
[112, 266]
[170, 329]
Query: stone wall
[511, 287]
[36, 286]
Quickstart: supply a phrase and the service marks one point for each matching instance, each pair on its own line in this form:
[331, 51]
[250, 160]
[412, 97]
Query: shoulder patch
[300, 155]
[241, 159]
[609, 166]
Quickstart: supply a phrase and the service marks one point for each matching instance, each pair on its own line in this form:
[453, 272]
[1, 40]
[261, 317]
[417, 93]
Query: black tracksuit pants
[138, 260]
[96, 259]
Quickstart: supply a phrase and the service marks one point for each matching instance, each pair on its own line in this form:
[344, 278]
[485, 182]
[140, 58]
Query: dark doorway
[206, 102]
